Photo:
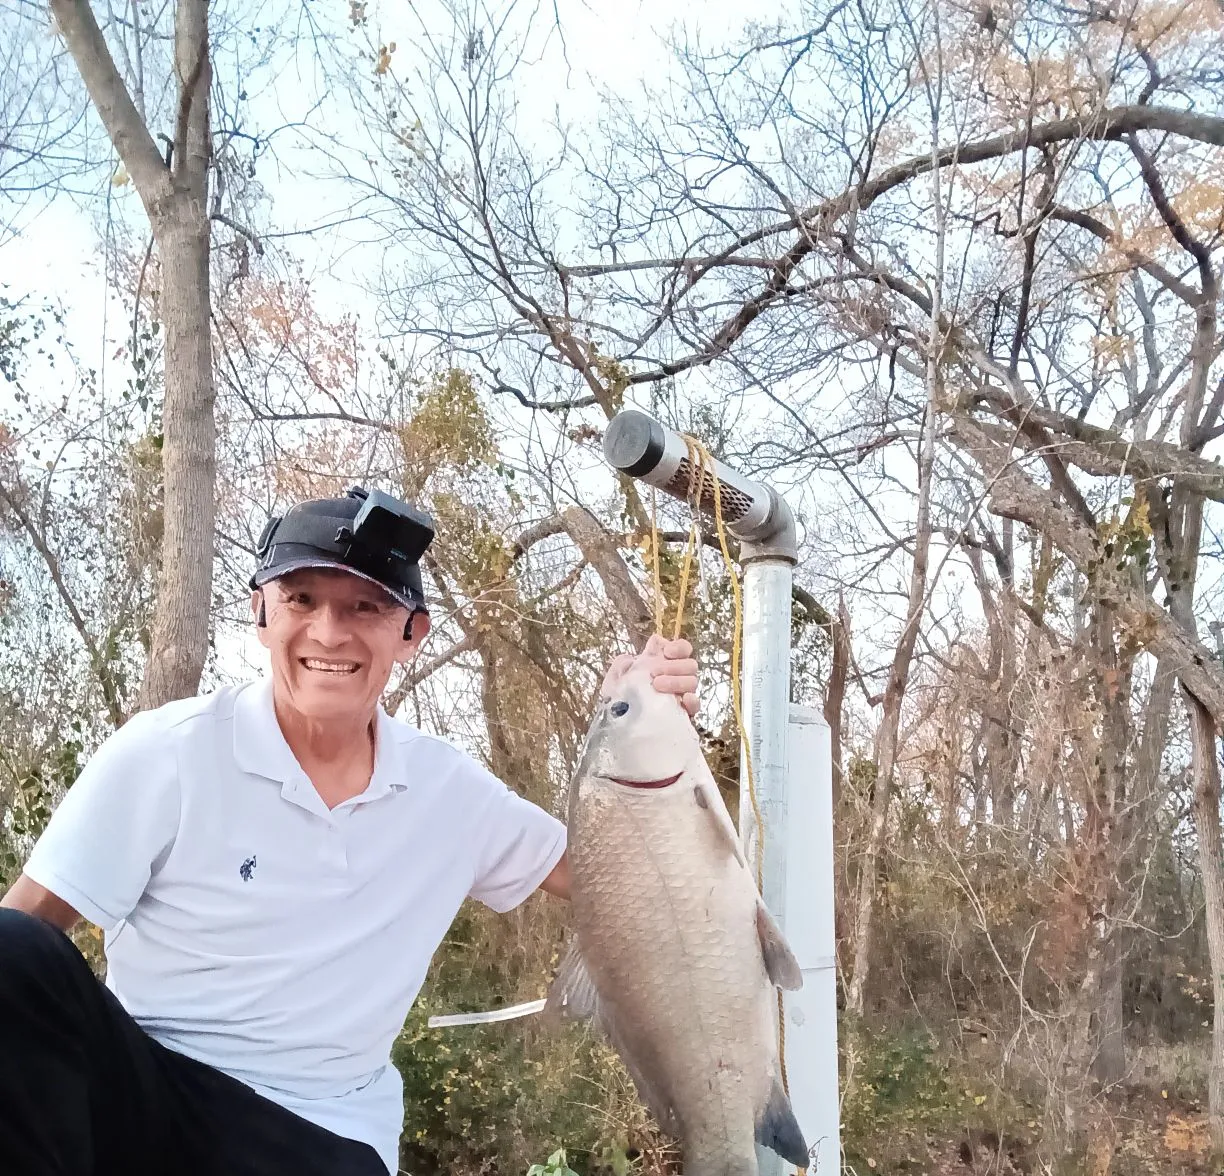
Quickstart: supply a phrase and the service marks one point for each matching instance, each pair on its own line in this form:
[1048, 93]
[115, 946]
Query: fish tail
[777, 1129]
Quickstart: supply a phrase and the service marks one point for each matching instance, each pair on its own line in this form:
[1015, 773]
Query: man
[273, 866]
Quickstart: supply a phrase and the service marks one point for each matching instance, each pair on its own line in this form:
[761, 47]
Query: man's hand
[671, 665]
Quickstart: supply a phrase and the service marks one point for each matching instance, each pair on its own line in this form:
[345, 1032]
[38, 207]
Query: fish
[674, 955]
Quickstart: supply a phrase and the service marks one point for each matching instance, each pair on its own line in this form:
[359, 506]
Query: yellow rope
[686, 569]
[700, 461]
[693, 494]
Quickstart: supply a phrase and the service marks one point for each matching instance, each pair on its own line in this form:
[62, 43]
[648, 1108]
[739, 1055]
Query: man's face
[334, 639]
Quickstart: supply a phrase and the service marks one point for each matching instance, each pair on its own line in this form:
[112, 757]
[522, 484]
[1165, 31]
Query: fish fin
[780, 962]
[572, 995]
[707, 796]
[776, 1128]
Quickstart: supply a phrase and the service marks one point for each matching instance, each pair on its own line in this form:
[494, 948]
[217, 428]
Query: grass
[912, 1105]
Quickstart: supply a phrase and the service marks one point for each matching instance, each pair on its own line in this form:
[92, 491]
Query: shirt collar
[388, 773]
[260, 747]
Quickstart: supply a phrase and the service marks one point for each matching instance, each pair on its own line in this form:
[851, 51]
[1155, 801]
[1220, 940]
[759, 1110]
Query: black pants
[84, 1091]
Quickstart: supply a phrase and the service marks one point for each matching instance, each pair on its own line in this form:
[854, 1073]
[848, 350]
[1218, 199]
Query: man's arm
[558, 881]
[27, 895]
[112, 829]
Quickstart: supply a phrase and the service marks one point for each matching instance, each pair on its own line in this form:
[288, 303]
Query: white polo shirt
[252, 929]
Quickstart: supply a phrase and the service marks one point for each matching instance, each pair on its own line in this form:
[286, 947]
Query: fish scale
[674, 955]
[699, 985]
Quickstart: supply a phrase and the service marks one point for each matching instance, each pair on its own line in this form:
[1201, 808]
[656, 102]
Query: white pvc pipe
[765, 679]
[446, 1020]
[811, 1013]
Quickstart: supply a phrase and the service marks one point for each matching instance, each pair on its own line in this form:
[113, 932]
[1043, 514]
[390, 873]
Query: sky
[613, 44]
[60, 252]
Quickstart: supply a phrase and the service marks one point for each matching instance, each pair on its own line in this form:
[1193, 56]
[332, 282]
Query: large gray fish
[674, 955]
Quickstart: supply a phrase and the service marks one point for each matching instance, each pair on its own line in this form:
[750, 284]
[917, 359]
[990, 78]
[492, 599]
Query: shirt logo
[247, 869]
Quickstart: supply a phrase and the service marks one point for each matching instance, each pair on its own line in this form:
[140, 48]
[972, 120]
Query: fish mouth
[665, 783]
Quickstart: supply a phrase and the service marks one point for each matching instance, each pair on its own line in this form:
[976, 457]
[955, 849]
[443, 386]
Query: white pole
[765, 679]
[811, 1013]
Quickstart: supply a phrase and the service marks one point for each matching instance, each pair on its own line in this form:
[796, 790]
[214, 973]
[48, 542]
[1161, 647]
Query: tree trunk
[1144, 799]
[834, 703]
[890, 724]
[1183, 521]
[1109, 1067]
[1070, 1095]
[898, 675]
[835, 697]
[184, 584]
[174, 192]
[1096, 885]
[1013, 495]
[189, 449]
[1206, 767]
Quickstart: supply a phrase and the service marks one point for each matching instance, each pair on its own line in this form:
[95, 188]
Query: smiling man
[273, 866]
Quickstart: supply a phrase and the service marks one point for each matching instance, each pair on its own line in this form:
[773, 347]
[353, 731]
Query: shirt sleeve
[520, 846]
[113, 828]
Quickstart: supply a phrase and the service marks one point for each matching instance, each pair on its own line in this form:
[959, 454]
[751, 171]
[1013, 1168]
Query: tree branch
[1013, 495]
[599, 270]
[106, 681]
[599, 550]
[544, 405]
[1154, 269]
[110, 97]
[240, 229]
[815, 222]
[191, 37]
[1203, 348]
[1148, 461]
[348, 418]
[553, 525]
[415, 674]
[1174, 223]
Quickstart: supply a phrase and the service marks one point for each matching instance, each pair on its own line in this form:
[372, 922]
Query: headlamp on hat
[367, 532]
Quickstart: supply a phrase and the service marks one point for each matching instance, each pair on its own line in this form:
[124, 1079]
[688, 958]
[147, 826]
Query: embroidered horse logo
[247, 869]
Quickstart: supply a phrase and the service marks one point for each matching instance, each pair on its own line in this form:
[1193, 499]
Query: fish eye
[619, 708]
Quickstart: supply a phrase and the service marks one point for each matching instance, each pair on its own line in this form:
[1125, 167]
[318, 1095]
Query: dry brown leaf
[1187, 1136]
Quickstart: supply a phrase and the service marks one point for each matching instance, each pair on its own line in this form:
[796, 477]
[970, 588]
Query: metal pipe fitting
[639, 446]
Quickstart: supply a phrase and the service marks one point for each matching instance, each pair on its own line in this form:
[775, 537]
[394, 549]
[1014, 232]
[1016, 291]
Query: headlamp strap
[265, 536]
[329, 533]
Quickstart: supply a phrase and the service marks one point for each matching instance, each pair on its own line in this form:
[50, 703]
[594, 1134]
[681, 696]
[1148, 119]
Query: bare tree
[174, 191]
